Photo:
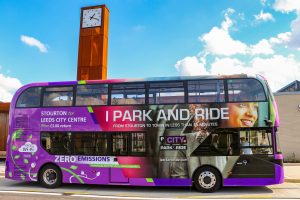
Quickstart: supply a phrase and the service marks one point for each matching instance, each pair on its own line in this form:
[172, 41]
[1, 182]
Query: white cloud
[31, 41]
[226, 66]
[191, 66]
[219, 42]
[294, 41]
[217, 36]
[225, 55]
[263, 17]
[281, 38]
[278, 70]
[287, 5]
[227, 23]
[262, 47]
[8, 86]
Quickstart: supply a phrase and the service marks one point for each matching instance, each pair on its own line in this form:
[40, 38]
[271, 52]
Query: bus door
[120, 149]
[255, 158]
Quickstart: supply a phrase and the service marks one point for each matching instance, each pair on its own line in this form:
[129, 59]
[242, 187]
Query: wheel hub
[50, 176]
[207, 179]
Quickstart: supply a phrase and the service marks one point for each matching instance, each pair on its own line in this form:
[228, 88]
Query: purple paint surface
[249, 181]
[173, 182]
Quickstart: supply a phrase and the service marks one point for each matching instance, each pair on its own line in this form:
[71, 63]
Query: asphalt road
[10, 190]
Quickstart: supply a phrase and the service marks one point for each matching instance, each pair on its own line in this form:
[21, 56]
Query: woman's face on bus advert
[242, 114]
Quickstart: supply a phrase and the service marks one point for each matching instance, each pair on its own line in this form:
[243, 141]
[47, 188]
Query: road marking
[74, 193]
[135, 197]
[122, 197]
[159, 198]
[255, 197]
[27, 192]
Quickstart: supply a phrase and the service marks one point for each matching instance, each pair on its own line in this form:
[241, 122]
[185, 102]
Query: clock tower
[93, 43]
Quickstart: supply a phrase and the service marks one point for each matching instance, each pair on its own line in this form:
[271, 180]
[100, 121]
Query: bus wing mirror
[268, 122]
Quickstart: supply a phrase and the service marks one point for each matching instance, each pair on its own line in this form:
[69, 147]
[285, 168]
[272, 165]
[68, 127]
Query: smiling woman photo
[242, 115]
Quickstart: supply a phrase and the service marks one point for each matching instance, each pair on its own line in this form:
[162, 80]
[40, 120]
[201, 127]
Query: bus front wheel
[207, 179]
[50, 176]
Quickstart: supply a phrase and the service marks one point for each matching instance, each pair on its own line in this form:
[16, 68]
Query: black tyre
[50, 176]
[207, 179]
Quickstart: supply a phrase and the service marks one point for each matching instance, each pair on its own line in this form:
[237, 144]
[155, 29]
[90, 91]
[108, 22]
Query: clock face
[91, 18]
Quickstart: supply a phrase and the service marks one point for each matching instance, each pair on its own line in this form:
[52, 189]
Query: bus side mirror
[268, 122]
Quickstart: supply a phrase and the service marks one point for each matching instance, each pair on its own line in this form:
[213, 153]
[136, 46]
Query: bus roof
[174, 78]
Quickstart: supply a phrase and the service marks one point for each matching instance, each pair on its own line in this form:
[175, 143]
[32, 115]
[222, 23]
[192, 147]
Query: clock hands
[93, 17]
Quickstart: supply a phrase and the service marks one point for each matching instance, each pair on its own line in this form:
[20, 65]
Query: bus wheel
[207, 179]
[50, 176]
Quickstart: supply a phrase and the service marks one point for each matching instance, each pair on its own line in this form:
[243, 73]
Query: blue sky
[152, 38]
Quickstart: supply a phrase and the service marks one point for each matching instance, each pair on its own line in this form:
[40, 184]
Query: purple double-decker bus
[206, 131]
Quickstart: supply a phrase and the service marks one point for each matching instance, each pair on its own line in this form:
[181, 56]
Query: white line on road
[159, 198]
[132, 197]
[122, 197]
[24, 192]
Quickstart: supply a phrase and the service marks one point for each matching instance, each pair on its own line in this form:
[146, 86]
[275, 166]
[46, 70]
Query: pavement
[292, 172]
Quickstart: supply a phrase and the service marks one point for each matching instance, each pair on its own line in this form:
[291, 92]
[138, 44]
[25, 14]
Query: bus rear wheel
[50, 176]
[207, 180]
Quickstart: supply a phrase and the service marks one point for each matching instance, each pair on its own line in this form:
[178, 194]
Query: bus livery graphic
[206, 131]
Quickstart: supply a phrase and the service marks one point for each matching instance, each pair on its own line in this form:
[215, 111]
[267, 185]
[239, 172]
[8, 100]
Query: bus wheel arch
[50, 175]
[207, 179]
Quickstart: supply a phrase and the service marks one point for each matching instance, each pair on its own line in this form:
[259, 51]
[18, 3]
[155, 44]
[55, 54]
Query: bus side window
[256, 142]
[245, 90]
[128, 94]
[206, 91]
[58, 96]
[30, 98]
[120, 144]
[218, 144]
[138, 143]
[92, 94]
[166, 93]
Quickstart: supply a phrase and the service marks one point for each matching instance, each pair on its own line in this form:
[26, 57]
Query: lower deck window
[256, 142]
[226, 143]
[91, 143]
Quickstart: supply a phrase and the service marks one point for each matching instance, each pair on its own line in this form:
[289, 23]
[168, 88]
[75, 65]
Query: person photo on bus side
[246, 150]
[264, 141]
[242, 114]
[215, 145]
[215, 141]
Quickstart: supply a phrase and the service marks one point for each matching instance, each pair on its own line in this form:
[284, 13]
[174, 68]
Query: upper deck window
[128, 94]
[91, 95]
[206, 91]
[58, 96]
[241, 90]
[164, 93]
[30, 98]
